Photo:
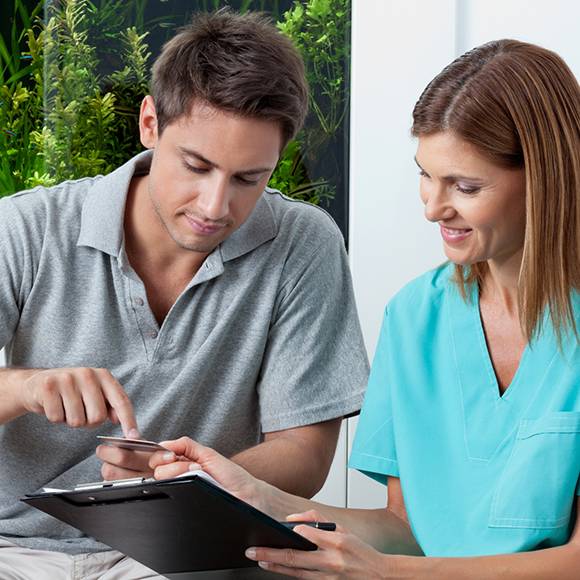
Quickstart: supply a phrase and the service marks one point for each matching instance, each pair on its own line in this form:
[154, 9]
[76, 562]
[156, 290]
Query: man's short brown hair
[234, 62]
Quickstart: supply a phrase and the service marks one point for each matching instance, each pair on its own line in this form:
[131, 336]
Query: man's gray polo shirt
[264, 338]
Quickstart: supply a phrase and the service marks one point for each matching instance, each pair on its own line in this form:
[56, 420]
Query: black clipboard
[172, 526]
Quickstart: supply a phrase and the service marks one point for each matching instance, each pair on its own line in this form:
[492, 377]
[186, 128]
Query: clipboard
[173, 526]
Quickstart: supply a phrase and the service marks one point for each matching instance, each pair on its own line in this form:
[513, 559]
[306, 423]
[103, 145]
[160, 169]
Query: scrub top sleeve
[373, 451]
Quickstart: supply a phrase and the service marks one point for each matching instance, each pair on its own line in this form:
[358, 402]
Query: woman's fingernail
[250, 553]
[133, 433]
[168, 456]
[263, 565]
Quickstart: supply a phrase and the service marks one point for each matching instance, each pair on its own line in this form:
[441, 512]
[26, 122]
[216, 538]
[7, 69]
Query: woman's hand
[188, 455]
[340, 555]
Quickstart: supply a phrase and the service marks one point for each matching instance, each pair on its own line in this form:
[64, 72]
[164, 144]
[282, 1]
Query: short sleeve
[373, 451]
[16, 267]
[315, 352]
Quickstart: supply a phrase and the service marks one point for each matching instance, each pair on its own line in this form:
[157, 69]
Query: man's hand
[86, 397]
[78, 397]
[123, 463]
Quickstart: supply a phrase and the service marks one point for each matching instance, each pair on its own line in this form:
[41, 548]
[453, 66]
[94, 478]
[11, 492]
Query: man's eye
[247, 182]
[194, 169]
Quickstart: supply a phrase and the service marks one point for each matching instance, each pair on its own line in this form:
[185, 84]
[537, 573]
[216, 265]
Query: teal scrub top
[480, 473]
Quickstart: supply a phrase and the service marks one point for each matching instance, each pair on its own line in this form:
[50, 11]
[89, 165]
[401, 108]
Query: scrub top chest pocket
[540, 480]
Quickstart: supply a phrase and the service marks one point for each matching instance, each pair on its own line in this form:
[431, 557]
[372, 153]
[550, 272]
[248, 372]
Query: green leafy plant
[21, 105]
[291, 177]
[73, 77]
[91, 122]
[61, 117]
[321, 31]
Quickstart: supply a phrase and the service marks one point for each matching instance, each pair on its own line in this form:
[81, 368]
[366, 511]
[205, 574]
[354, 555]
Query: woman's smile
[479, 205]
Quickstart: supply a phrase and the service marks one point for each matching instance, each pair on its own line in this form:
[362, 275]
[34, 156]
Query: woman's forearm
[342, 555]
[561, 563]
[385, 529]
[380, 528]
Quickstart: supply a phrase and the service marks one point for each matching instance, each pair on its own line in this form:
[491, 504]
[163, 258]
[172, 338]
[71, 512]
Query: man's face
[208, 172]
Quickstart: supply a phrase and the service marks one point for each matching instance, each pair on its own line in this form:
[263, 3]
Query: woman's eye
[464, 188]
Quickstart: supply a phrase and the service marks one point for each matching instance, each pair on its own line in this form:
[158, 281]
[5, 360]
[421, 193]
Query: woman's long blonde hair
[519, 104]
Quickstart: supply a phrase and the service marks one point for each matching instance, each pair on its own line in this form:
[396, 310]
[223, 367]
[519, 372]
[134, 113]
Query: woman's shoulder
[428, 288]
[422, 308]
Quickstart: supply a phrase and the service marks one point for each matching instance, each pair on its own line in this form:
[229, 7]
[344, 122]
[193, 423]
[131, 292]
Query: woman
[472, 413]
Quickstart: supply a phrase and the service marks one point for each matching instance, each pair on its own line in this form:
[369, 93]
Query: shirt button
[152, 334]
[139, 301]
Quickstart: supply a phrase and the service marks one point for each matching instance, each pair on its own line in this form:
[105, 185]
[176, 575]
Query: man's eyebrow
[198, 156]
[255, 171]
[216, 166]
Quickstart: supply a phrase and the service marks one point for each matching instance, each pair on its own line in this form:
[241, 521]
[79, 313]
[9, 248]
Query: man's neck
[164, 268]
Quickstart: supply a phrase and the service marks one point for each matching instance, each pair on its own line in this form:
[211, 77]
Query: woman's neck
[501, 280]
[498, 306]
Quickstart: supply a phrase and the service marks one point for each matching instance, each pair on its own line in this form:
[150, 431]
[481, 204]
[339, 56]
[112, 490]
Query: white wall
[398, 47]
[553, 24]
[393, 59]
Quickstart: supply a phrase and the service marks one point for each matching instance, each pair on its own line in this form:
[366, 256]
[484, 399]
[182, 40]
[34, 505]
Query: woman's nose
[437, 202]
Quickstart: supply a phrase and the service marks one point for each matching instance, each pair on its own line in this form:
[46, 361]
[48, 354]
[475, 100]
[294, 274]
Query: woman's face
[479, 206]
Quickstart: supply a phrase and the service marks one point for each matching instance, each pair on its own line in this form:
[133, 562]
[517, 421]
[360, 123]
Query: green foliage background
[73, 75]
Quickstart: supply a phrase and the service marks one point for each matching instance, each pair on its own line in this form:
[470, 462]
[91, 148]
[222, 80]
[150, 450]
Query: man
[175, 296]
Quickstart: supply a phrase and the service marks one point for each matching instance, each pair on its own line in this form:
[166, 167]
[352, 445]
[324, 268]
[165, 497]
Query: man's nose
[213, 201]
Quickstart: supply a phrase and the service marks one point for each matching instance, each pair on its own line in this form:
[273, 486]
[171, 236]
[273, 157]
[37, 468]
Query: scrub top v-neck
[481, 473]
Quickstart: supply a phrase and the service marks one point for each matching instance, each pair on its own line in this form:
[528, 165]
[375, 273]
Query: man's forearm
[11, 381]
[284, 464]
[297, 460]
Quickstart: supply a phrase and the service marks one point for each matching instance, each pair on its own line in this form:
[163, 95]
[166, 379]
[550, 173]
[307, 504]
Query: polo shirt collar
[258, 229]
[104, 208]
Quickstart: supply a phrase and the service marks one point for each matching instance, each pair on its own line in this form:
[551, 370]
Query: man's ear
[148, 123]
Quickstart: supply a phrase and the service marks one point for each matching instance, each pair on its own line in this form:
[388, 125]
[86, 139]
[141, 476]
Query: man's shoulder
[286, 227]
[64, 193]
[294, 216]
[64, 202]
[60, 201]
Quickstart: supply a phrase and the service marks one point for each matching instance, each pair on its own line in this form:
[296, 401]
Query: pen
[328, 526]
